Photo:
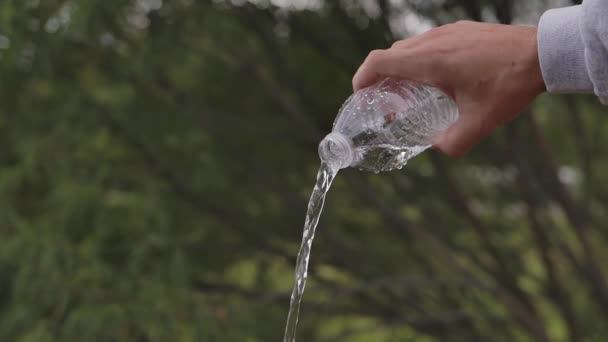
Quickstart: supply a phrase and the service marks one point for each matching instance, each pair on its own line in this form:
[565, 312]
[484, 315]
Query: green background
[156, 158]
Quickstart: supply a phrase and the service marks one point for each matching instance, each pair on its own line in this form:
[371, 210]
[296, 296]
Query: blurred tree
[156, 158]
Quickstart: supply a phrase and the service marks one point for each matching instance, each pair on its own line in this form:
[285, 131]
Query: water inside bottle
[386, 157]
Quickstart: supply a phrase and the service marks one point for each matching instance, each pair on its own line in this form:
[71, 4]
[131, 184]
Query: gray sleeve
[573, 49]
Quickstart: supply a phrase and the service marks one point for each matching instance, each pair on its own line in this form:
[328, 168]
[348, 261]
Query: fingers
[459, 138]
[368, 72]
[417, 58]
[411, 42]
[425, 37]
[398, 63]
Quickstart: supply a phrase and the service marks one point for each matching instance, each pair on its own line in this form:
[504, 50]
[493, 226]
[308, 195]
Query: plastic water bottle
[381, 127]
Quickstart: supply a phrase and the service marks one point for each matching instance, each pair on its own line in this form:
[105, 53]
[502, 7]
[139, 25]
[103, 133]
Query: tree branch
[460, 203]
[520, 308]
[526, 183]
[574, 215]
[584, 150]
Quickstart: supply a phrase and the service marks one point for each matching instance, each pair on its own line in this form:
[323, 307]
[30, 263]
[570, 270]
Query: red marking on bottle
[390, 117]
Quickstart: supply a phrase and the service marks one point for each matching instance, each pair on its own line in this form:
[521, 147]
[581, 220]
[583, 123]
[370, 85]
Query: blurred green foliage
[156, 158]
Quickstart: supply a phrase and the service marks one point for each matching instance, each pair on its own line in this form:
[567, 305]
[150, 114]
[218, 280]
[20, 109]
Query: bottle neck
[336, 150]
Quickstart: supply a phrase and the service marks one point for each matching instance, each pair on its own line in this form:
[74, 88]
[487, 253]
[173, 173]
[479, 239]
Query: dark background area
[156, 158]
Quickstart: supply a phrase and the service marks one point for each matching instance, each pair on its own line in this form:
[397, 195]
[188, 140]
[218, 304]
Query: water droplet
[370, 101]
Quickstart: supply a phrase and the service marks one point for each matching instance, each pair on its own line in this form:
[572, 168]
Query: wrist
[533, 67]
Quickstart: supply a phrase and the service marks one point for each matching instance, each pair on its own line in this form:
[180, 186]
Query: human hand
[492, 72]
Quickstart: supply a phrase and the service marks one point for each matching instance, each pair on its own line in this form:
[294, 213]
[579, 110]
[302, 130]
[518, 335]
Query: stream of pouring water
[325, 176]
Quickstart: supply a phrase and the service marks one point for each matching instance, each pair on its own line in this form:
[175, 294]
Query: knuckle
[374, 57]
[441, 30]
[398, 44]
[436, 31]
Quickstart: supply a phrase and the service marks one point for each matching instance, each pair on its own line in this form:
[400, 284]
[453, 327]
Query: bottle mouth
[336, 150]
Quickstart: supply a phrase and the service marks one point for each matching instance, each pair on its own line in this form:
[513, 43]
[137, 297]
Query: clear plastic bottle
[381, 127]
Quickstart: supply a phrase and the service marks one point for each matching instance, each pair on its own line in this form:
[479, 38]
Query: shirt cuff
[562, 53]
